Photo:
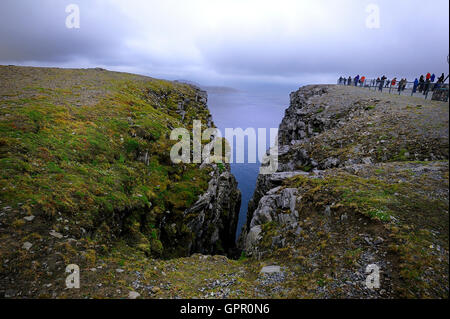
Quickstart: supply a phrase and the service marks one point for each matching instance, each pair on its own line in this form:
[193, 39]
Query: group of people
[401, 84]
[423, 84]
[357, 80]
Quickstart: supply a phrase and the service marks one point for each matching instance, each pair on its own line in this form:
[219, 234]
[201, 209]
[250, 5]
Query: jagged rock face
[212, 220]
[298, 122]
[264, 184]
[297, 125]
[278, 205]
[209, 225]
[217, 212]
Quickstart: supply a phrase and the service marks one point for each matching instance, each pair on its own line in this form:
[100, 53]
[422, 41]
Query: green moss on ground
[87, 153]
[404, 204]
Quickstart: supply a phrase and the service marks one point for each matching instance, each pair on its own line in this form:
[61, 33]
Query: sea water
[249, 107]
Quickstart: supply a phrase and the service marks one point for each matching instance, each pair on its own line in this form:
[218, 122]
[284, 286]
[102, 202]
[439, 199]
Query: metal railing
[434, 90]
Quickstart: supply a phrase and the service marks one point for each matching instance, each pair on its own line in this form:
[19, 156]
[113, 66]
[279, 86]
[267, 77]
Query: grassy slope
[405, 204]
[72, 147]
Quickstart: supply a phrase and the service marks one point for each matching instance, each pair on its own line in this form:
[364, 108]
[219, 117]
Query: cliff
[362, 180]
[86, 179]
[86, 170]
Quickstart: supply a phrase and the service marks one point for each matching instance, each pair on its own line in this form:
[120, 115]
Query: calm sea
[261, 107]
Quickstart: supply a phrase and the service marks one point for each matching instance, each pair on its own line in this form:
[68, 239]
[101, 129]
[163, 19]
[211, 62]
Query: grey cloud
[203, 41]
[35, 31]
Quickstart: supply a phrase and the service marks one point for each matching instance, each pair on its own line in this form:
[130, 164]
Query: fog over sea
[244, 107]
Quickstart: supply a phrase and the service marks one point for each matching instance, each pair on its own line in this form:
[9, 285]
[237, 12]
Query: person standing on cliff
[427, 86]
[363, 79]
[357, 80]
[349, 81]
[440, 80]
[402, 85]
[394, 81]
[416, 84]
[421, 83]
[433, 77]
[383, 78]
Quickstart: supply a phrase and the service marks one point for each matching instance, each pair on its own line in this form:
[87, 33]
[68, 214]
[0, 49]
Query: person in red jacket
[428, 76]
[363, 79]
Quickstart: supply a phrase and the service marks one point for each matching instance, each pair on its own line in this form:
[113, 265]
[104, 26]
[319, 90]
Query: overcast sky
[221, 42]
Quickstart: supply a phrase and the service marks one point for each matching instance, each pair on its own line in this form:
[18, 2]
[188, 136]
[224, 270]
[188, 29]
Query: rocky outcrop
[297, 125]
[216, 215]
[299, 122]
[217, 210]
[362, 180]
[324, 128]
[277, 205]
[265, 184]
[209, 225]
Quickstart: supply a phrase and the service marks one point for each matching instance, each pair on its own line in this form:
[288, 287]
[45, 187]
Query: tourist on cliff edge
[440, 81]
[421, 83]
[427, 86]
[394, 80]
[383, 78]
[363, 79]
[416, 84]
